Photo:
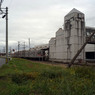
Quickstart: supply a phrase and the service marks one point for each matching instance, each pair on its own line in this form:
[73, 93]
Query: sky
[40, 19]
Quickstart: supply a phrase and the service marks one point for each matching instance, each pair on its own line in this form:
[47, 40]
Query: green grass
[23, 77]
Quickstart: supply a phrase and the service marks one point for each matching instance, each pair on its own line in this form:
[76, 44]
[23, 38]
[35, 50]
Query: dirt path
[62, 64]
[51, 63]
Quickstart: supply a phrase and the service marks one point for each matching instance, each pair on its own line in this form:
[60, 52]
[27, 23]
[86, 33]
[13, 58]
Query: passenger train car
[38, 53]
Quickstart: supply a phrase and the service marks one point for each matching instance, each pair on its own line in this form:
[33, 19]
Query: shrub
[31, 75]
[24, 77]
[19, 78]
[21, 90]
[84, 72]
[51, 74]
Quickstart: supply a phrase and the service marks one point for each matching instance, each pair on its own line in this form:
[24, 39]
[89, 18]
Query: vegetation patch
[51, 74]
[85, 72]
[23, 77]
[2, 77]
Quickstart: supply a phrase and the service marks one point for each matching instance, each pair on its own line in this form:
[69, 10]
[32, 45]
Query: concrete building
[70, 39]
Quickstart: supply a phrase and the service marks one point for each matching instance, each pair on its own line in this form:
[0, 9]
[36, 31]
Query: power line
[1, 1]
[9, 4]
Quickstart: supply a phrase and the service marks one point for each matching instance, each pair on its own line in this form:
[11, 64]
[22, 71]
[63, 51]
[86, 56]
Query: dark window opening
[90, 55]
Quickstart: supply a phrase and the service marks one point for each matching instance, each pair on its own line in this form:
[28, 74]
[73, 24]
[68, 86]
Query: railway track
[61, 64]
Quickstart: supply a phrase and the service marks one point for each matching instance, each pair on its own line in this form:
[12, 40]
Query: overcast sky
[40, 19]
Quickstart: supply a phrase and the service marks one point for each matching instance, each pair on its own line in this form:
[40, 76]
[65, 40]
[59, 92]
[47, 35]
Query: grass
[23, 77]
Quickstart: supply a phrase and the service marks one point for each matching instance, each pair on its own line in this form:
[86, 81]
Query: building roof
[74, 11]
[39, 47]
[87, 27]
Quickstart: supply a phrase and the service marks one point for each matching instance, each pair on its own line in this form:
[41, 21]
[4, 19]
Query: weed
[23, 77]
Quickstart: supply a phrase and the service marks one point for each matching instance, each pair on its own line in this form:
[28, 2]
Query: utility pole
[4, 49]
[5, 12]
[29, 47]
[29, 43]
[18, 47]
[10, 51]
[6, 35]
[6, 15]
[24, 46]
[24, 49]
[1, 1]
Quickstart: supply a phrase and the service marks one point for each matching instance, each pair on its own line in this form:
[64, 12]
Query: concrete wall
[68, 41]
[52, 49]
[74, 25]
[60, 44]
[90, 48]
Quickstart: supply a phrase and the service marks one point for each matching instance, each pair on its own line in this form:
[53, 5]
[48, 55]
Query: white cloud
[40, 19]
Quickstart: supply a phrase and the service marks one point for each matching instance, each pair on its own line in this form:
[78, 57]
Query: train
[40, 53]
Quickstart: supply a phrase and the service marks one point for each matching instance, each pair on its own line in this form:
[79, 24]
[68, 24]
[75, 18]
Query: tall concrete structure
[68, 41]
[74, 33]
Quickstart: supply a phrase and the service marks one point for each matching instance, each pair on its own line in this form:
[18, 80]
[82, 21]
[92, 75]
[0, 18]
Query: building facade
[70, 39]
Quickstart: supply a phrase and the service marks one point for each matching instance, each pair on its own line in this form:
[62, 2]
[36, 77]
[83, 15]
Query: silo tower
[74, 33]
